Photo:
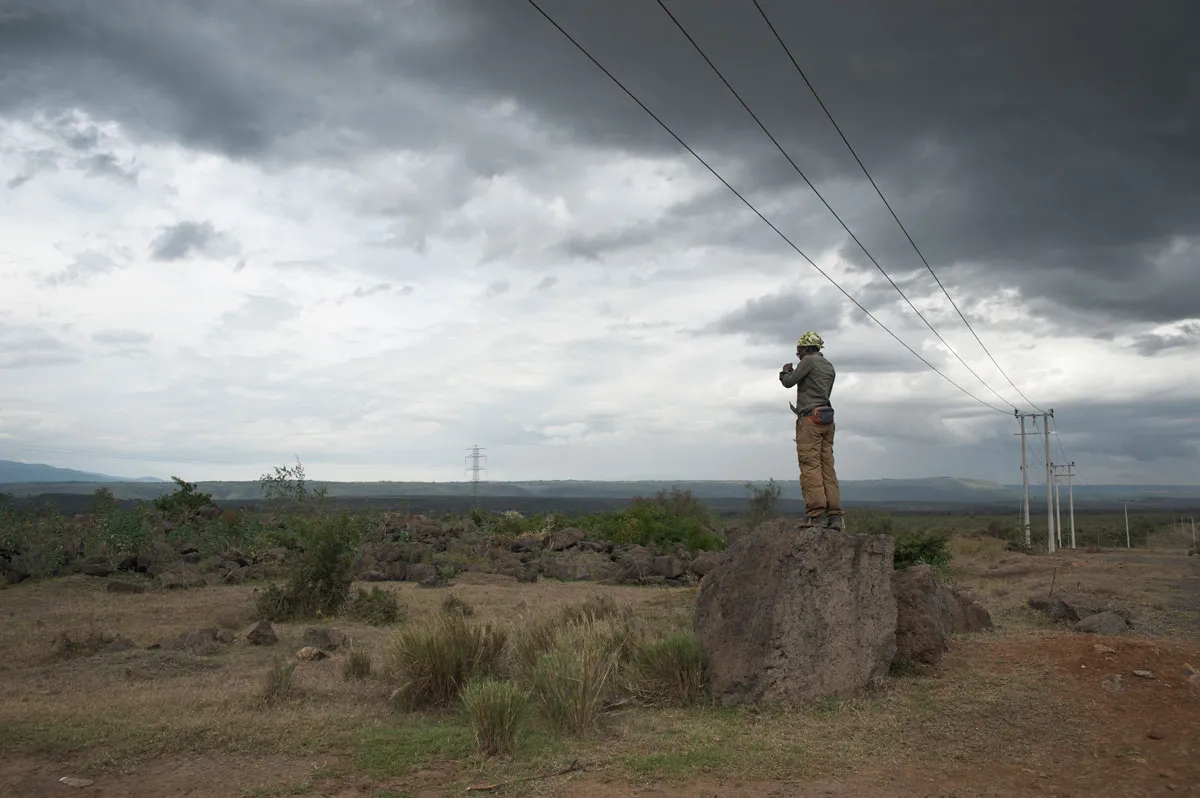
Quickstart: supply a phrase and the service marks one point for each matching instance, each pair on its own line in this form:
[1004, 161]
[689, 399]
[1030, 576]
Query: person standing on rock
[813, 380]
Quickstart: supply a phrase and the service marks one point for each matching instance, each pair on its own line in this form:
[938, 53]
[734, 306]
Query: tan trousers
[818, 480]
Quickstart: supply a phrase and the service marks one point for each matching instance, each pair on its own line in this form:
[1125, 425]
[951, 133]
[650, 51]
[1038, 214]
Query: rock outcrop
[790, 614]
[928, 613]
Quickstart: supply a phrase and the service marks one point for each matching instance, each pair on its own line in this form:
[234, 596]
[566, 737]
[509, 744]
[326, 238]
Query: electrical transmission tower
[475, 469]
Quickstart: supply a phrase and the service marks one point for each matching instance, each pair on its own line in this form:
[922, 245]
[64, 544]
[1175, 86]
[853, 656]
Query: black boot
[833, 522]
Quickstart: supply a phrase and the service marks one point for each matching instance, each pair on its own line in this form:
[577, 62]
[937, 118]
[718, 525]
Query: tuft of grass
[432, 663]
[610, 621]
[90, 642]
[279, 683]
[574, 680]
[358, 665]
[453, 603]
[376, 607]
[496, 711]
[667, 671]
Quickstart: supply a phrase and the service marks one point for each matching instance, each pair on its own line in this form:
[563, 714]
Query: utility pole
[1071, 497]
[1050, 530]
[1127, 544]
[1057, 507]
[1024, 481]
[1049, 499]
[475, 469]
[1193, 531]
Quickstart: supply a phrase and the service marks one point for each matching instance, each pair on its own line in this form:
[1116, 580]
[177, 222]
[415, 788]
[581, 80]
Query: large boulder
[791, 614]
[928, 613]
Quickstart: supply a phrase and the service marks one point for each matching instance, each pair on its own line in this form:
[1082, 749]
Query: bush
[90, 642]
[611, 622]
[662, 523]
[319, 584]
[376, 607]
[667, 671]
[496, 711]
[358, 665]
[183, 502]
[913, 546]
[574, 679]
[763, 503]
[921, 546]
[434, 662]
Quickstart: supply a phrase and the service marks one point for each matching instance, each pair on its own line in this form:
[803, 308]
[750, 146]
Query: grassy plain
[1021, 710]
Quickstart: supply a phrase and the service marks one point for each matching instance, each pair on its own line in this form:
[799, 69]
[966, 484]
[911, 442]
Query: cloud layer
[374, 234]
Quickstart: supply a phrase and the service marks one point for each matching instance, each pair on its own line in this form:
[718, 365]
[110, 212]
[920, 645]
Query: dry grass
[104, 712]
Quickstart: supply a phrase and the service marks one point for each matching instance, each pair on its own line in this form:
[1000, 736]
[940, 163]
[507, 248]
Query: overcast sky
[372, 234]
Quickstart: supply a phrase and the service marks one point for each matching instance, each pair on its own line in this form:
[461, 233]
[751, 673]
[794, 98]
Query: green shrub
[661, 523]
[667, 671]
[913, 545]
[319, 583]
[358, 665]
[184, 501]
[377, 607]
[432, 663]
[921, 546]
[496, 711]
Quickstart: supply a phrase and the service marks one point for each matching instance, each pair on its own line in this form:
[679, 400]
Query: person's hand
[787, 367]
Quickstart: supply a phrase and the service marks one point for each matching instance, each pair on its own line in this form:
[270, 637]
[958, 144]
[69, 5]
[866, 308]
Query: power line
[824, 202]
[755, 210]
[878, 191]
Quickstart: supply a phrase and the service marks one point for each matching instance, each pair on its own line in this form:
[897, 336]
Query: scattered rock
[323, 638]
[1071, 607]
[72, 781]
[119, 644]
[928, 613]
[191, 557]
[158, 555]
[578, 565]
[525, 545]
[563, 539]
[201, 641]
[126, 561]
[527, 575]
[1188, 670]
[1100, 648]
[97, 565]
[372, 576]
[262, 634]
[792, 614]
[1113, 683]
[174, 580]
[311, 654]
[419, 572]
[1155, 734]
[1144, 674]
[118, 586]
[1108, 624]
[433, 581]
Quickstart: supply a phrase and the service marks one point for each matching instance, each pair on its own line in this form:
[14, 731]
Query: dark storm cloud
[1023, 144]
[778, 318]
[186, 238]
[1153, 343]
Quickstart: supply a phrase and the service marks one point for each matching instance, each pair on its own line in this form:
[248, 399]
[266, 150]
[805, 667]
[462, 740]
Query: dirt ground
[1029, 709]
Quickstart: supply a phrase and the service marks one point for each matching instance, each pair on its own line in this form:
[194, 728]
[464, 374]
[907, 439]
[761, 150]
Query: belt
[808, 411]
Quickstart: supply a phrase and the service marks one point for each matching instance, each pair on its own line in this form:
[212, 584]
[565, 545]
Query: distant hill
[948, 492]
[23, 473]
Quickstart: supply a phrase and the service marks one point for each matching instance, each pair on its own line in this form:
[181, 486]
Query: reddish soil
[1145, 742]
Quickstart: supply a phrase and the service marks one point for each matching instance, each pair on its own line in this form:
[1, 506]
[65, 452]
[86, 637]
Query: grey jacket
[813, 381]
